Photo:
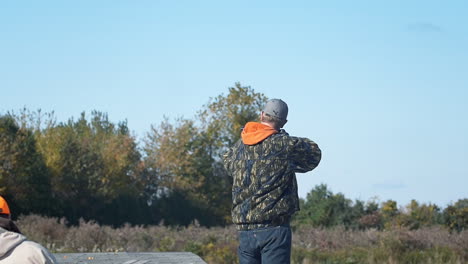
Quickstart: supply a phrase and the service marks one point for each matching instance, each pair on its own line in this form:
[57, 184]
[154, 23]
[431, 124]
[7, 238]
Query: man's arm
[305, 154]
[227, 160]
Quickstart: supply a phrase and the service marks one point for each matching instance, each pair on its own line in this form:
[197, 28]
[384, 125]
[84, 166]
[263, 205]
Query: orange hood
[4, 209]
[254, 133]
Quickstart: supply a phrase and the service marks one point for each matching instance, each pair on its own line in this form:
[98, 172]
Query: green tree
[389, 212]
[183, 159]
[372, 217]
[24, 178]
[322, 208]
[456, 215]
[419, 215]
[180, 171]
[92, 164]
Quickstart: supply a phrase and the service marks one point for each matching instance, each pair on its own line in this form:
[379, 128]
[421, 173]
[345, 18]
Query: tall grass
[219, 245]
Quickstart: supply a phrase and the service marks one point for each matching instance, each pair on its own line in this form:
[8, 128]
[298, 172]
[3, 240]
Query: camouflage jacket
[264, 191]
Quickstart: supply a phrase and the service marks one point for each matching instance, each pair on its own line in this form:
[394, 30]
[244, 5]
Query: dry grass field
[218, 245]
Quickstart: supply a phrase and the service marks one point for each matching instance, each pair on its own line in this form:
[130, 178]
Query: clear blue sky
[381, 86]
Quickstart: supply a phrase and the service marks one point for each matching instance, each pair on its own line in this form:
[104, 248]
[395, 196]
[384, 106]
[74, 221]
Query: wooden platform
[129, 258]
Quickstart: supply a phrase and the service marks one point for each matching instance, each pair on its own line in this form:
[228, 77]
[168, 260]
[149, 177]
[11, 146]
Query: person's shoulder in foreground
[14, 247]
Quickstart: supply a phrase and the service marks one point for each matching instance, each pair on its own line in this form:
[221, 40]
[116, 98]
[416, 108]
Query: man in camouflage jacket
[264, 192]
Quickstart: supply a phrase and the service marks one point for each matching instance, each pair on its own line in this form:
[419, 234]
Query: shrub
[49, 231]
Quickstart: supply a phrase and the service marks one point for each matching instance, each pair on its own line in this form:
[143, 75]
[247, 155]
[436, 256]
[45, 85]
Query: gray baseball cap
[276, 108]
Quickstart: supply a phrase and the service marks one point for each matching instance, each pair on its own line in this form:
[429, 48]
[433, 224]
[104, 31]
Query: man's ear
[284, 123]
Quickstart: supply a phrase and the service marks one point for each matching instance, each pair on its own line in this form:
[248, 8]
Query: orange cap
[4, 209]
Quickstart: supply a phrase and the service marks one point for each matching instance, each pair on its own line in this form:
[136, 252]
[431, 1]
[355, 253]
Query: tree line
[323, 208]
[91, 168]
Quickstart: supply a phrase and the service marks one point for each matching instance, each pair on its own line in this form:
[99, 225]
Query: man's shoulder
[286, 137]
[34, 250]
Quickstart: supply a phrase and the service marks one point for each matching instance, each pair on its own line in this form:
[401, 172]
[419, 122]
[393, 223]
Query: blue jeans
[270, 245]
